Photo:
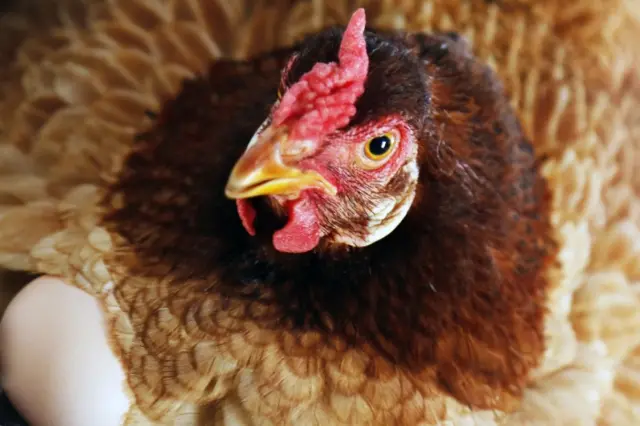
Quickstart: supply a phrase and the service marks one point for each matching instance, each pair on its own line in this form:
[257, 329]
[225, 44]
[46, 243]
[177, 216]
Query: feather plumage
[560, 60]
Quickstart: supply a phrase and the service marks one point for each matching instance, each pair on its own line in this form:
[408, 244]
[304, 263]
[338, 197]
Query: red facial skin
[340, 158]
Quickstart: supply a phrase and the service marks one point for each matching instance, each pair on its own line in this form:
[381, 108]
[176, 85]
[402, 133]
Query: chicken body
[451, 301]
[442, 320]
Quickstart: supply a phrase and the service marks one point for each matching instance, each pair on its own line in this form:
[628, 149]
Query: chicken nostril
[297, 150]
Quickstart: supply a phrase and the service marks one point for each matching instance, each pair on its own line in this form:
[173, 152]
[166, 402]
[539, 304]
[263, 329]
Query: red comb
[323, 100]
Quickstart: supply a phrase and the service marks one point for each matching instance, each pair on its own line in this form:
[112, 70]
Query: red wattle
[247, 215]
[302, 231]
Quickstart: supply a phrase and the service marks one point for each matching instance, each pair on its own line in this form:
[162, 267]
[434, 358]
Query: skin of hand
[57, 367]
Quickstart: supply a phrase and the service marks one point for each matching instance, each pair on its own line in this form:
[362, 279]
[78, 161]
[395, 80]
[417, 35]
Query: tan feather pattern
[570, 71]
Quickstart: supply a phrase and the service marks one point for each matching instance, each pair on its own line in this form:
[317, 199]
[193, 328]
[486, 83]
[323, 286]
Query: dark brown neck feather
[459, 284]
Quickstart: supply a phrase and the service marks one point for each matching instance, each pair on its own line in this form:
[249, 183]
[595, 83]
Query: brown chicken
[353, 230]
[411, 223]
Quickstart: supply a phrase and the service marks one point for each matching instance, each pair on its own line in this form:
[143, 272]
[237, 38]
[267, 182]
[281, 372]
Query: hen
[394, 254]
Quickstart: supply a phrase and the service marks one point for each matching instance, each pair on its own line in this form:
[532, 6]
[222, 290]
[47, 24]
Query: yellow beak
[262, 171]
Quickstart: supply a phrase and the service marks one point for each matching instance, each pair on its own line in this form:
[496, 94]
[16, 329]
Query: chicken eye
[380, 147]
